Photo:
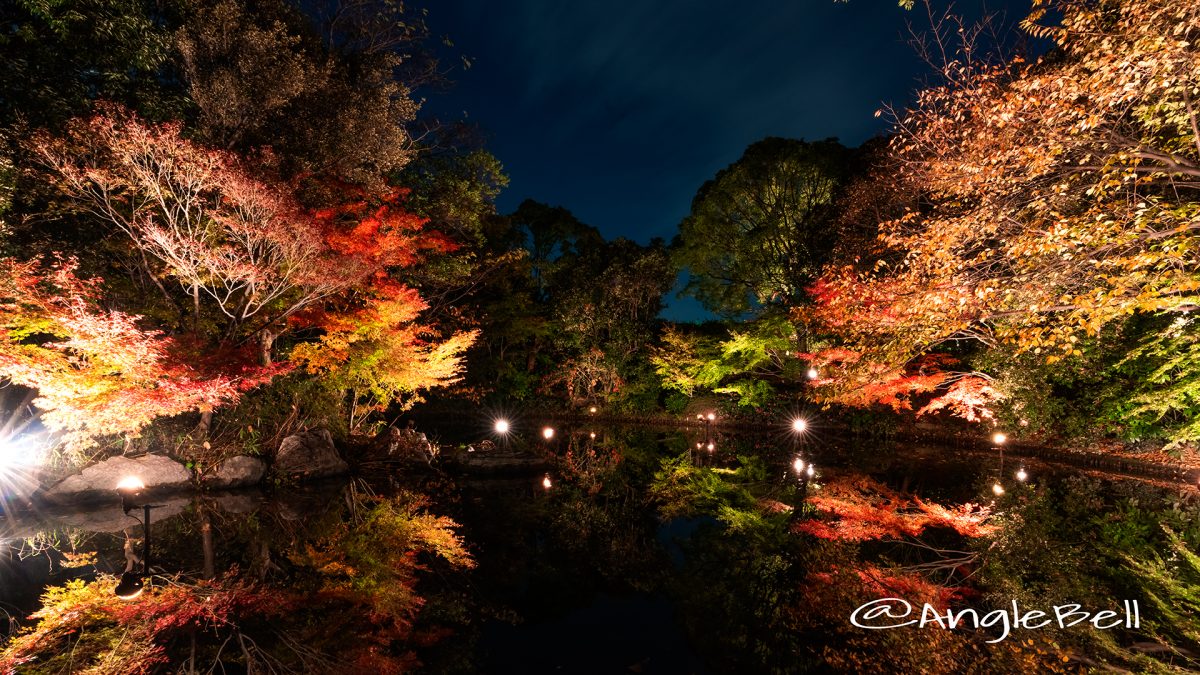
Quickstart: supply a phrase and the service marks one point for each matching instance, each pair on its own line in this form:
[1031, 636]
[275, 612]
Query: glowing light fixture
[546, 482]
[812, 373]
[712, 416]
[502, 426]
[592, 410]
[798, 465]
[1021, 474]
[810, 470]
[999, 438]
[592, 435]
[17, 456]
[712, 446]
[131, 483]
[799, 426]
[547, 433]
[997, 489]
[133, 583]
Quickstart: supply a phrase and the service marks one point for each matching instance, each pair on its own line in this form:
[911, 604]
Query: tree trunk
[266, 340]
[205, 423]
[195, 309]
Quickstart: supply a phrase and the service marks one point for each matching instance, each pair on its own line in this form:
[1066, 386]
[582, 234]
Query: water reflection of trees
[335, 591]
[764, 570]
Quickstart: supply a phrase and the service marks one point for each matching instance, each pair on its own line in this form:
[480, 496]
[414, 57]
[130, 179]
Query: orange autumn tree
[374, 348]
[95, 372]
[250, 260]
[1050, 200]
[240, 247]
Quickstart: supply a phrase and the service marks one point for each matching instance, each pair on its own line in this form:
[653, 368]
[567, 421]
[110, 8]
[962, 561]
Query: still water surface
[648, 554]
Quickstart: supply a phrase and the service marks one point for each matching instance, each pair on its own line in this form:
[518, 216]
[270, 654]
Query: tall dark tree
[760, 230]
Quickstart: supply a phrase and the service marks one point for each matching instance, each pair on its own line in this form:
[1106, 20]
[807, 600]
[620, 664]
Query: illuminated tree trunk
[266, 341]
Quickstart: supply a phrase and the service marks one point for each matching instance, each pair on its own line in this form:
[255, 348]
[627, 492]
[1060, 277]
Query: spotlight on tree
[547, 433]
[1022, 475]
[997, 489]
[810, 470]
[130, 488]
[546, 482]
[812, 373]
[711, 416]
[798, 465]
[712, 446]
[999, 438]
[501, 426]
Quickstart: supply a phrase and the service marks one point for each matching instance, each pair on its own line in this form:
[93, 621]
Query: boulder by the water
[99, 482]
[310, 454]
[404, 445]
[236, 472]
[493, 460]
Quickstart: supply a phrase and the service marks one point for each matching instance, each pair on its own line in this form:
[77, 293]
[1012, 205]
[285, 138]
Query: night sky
[620, 111]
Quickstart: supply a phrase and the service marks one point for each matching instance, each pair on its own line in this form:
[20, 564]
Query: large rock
[495, 461]
[99, 482]
[407, 445]
[309, 454]
[236, 472]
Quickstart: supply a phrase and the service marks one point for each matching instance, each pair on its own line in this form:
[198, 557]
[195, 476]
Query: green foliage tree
[759, 231]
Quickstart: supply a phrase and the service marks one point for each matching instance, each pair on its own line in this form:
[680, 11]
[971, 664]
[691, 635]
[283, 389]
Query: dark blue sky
[620, 111]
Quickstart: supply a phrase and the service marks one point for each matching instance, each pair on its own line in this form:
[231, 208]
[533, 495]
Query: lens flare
[130, 483]
[502, 426]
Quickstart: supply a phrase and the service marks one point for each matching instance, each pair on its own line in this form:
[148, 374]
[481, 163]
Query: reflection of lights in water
[799, 425]
[997, 489]
[131, 483]
[547, 433]
[592, 435]
[592, 410]
[546, 482]
[1021, 475]
[812, 373]
[712, 416]
[798, 465]
[502, 426]
[999, 438]
[711, 447]
[130, 586]
[811, 471]
[699, 445]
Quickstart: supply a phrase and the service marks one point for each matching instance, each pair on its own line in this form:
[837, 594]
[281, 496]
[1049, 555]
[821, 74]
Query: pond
[638, 550]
